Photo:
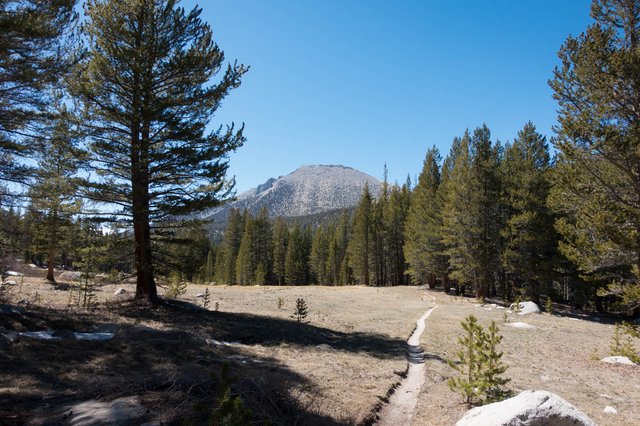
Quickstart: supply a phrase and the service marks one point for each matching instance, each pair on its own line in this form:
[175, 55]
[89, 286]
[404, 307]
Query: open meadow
[336, 368]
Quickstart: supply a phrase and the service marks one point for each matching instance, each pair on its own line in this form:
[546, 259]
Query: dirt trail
[403, 402]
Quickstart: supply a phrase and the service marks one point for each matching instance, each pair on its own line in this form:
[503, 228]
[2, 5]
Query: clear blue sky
[363, 83]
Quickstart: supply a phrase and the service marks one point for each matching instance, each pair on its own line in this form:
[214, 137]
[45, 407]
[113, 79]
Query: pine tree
[479, 364]
[423, 248]
[145, 86]
[597, 179]
[337, 262]
[379, 231]
[319, 256]
[459, 227]
[255, 249]
[53, 193]
[280, 241]
[471, 219]
[529, 235]
[395, 217]
[34, 55]
[209, 269]
[360, 243]
[297, 259]
[227, 257]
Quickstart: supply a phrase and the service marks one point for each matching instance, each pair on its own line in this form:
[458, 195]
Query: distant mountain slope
[307, 191]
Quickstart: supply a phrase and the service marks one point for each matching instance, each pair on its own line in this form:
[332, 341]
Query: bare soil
[336, 369]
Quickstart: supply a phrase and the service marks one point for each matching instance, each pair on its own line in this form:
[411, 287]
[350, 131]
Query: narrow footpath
[403, 402]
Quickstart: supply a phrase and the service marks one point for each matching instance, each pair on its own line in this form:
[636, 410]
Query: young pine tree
[53, 193]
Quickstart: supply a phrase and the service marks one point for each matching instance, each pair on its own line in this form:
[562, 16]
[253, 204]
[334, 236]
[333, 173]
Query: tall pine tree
[147, 88]
[360, 244]
[597, 184]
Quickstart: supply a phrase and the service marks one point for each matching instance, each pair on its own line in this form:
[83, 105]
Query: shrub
[479, 365]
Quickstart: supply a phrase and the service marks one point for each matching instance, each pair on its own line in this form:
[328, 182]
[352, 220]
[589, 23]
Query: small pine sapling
[301, 311]
[516, 305]
[228, 410]
[206, 299]
[549, 306]
[622, 342]
[479, 365]
[280, 302]
[176, 289]
[491, 367]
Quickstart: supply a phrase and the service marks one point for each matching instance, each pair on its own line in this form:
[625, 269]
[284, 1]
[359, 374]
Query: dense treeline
[360, 247]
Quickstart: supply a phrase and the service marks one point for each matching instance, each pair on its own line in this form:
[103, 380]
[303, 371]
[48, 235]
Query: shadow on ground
[172, 370]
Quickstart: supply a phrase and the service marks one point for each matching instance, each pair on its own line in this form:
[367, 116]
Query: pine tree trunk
[53, 233]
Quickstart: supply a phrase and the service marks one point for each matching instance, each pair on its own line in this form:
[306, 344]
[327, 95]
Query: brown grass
[334, 370]
[560, 355]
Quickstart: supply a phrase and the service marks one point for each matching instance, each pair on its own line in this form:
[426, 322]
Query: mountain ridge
[308, 190]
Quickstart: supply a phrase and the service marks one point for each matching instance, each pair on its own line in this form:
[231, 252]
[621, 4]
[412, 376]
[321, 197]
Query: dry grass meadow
[337, 369]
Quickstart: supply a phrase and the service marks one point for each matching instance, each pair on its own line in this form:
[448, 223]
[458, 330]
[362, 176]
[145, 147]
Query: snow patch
[522, 325]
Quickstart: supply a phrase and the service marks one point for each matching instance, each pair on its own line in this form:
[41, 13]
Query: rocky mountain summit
[308, 190]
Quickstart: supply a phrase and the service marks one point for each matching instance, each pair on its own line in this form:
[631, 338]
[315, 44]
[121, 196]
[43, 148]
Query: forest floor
[335, 369]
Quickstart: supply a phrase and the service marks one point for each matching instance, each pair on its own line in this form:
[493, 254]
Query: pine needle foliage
[622, 341]
[479, 364]
[301, 311]
[229, 410]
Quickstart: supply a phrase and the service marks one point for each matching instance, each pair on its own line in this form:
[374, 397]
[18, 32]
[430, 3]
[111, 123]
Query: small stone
[119, 291]
[610, 410]
[199, 295]
[10, 282]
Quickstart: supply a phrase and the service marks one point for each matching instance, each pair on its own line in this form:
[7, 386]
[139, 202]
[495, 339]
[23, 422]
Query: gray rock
[70, 276]
[529, 408]
[10, 282]
[119, 291]
[116, 412]
[526, 308]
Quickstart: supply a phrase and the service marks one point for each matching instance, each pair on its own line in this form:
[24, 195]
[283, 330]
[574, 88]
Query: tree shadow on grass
[252, 329]
[170, 369]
